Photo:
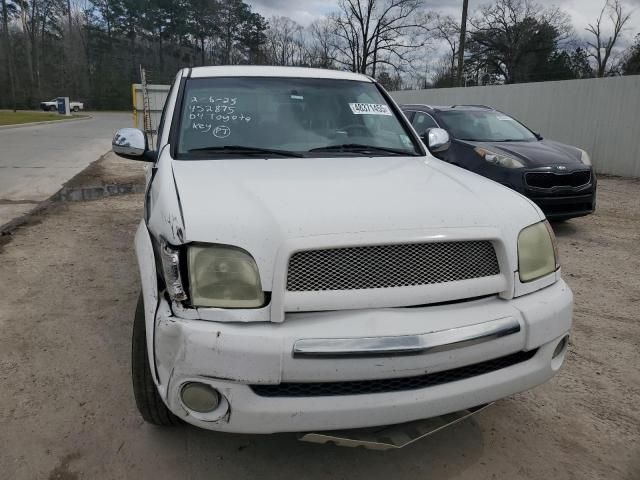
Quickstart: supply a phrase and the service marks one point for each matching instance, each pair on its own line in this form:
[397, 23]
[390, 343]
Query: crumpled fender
[165, 220]
[149, 282]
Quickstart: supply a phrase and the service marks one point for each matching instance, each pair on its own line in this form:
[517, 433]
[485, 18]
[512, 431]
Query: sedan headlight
[537, 252]
[498, 158]
[223, 276]
[585, 158]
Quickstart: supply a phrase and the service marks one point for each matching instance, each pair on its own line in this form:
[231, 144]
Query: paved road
[35, 161]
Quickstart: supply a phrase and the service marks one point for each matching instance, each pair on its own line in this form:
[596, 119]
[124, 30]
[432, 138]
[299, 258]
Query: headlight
[223, 276]
[537, 252]
[498, 158]
[585, 158]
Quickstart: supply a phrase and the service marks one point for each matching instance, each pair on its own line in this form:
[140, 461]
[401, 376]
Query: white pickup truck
[307, 264]
[52, 106]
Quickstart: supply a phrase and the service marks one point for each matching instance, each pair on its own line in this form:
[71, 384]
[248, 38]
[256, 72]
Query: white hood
[258, 204]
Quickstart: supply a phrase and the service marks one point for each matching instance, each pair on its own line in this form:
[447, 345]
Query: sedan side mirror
[437, 140]
[132, 143]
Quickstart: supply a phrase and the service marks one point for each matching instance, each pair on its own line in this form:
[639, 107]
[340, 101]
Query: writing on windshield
[210, 114]
[287, 114]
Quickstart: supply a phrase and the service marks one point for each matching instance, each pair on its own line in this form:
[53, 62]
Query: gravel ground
[70, 283]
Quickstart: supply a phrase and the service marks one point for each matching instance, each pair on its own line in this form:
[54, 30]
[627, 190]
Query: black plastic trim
[404, 121]
[387, 385]
[176, 119]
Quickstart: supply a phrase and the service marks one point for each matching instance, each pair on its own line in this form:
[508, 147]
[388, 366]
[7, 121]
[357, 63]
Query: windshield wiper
[360, 148]
[241, 149]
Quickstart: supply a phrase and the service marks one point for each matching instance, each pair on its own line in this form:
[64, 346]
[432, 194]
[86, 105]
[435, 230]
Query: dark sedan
[558, 178]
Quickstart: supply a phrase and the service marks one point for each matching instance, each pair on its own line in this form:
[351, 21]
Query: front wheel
[53, 109]
[76, 109]
[148, 400]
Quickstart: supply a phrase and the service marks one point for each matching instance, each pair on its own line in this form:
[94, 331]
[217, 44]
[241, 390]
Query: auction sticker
[370, 109]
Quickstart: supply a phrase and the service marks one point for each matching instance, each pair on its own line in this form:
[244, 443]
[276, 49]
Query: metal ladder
[146, 106]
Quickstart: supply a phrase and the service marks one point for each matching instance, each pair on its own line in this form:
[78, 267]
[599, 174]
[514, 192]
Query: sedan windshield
[485, 126]
[275, 116]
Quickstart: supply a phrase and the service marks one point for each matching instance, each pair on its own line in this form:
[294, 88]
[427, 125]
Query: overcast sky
[582, 11]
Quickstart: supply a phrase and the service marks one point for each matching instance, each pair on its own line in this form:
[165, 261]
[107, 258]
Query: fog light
[200, 397]
[562, 344]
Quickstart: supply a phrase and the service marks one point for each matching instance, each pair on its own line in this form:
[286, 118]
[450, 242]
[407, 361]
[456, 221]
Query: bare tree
[8, 51]
[447, 30]
[373, 32]
[31, 18]
[284, 43]
[69, 58]
[322, 51]
[602, 46]
[443, 76]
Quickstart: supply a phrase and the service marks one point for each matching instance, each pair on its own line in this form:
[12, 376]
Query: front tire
[76, 109]
[148, 401]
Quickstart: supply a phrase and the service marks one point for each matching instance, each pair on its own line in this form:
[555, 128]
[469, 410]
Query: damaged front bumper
[392, 436]
[252, 364]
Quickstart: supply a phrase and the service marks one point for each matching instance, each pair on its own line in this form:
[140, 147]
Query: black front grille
[551, 179]
[361, 387]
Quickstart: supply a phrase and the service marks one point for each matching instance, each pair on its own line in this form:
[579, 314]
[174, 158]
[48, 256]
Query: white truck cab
[307, 264]
[52, 106]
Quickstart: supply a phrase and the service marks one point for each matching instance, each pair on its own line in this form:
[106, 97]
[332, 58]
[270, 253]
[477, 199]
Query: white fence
[602, 115]
[599, 115]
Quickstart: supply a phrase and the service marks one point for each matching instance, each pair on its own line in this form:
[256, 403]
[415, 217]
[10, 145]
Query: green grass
[9, 117]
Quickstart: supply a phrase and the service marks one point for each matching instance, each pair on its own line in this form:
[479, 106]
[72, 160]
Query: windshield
[485, 126]
[228, 116]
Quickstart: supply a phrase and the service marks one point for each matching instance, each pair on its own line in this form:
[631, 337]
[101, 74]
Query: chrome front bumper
[439, 341]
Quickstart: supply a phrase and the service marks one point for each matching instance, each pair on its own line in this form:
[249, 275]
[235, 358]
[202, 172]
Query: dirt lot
[69, 286]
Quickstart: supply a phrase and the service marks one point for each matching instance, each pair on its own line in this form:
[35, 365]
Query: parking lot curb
[32, 124]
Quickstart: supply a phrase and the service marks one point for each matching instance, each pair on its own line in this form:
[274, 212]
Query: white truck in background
[52, 106]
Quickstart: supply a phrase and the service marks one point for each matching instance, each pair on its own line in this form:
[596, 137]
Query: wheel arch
[150, 292]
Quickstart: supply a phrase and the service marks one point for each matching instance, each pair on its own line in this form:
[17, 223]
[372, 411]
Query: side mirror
[131, 143]
[437, 140]
[538, 136]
